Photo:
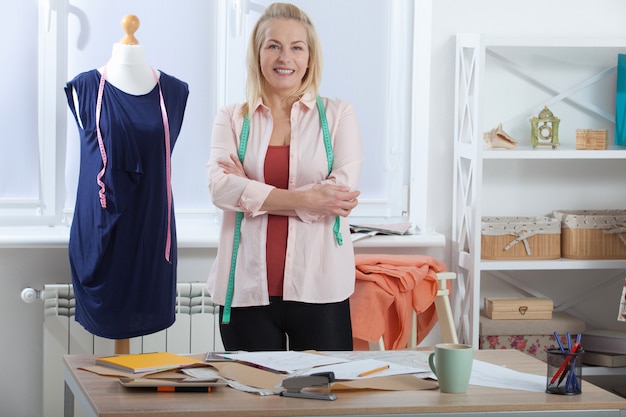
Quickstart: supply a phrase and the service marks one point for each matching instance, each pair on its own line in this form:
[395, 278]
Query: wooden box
[530, 308]
[591, 139]
[520, 238]
[592, 234]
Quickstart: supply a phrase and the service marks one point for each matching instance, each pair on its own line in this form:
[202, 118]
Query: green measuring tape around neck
[243, 143]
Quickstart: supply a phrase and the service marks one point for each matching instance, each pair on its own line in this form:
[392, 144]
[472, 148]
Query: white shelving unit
[508, 80]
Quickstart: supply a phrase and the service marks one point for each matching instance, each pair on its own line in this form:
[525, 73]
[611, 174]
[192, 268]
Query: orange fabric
[387, 288]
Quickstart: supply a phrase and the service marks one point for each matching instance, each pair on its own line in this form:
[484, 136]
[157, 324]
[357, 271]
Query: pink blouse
[317, 269]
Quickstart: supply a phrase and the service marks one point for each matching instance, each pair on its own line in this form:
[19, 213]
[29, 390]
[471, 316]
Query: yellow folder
[146, 362]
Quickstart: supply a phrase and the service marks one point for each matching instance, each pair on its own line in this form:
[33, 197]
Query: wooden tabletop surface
[109, 398]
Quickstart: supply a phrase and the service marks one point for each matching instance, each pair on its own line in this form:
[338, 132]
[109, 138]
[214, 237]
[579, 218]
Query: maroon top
[276, 174]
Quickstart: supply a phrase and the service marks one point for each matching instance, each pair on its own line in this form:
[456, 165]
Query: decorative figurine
[544, 129]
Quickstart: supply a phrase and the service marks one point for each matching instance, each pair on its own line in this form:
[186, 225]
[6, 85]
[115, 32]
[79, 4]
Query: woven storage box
[591, 139]
[533, 337]
[519, 238]
[593, 234]
[528, 308]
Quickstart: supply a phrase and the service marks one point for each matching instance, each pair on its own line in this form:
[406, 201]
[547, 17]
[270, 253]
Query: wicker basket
[520, 238]
[593, 234]
[591, 139]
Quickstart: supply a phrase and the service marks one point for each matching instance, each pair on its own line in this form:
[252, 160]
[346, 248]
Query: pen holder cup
[564, 372]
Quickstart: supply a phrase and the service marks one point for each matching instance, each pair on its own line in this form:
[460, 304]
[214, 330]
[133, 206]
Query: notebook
[146, 362]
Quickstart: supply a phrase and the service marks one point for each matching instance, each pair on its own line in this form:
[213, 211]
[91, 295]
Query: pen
[569, 341]
[373, 371]
[564, 364]
[558, 340]
[574, 381]
[183, 389]
[570, 383]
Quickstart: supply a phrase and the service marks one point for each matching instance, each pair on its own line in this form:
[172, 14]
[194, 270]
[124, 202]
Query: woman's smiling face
[284, 56]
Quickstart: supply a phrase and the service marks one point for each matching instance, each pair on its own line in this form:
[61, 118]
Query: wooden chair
[444, 314]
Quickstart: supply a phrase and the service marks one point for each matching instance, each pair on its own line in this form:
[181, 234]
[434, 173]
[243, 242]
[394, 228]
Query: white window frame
[44, 210]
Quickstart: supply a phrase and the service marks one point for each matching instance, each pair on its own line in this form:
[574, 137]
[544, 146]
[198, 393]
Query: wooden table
[106, 397]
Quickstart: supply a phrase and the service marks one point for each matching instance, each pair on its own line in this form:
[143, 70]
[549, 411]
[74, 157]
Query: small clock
[544, 129]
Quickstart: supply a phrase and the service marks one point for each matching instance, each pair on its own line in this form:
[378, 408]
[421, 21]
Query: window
[370, 65]
[20, 175]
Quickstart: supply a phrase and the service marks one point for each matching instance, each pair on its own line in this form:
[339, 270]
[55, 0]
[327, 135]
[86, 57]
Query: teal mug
[452, 365]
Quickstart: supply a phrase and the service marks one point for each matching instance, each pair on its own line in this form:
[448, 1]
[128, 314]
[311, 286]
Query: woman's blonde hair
[255, 83]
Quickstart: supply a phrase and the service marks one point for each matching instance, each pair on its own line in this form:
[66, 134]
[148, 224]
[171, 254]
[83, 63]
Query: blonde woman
[285, 168]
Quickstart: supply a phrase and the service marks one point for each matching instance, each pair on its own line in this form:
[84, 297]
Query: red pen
[565, 363]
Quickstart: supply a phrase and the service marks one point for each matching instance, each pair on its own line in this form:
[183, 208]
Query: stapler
[296, 384]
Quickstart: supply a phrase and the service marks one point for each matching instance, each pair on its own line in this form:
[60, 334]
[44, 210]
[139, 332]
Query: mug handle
[431, 363]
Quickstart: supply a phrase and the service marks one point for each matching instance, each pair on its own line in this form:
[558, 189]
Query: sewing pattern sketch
[124, 283]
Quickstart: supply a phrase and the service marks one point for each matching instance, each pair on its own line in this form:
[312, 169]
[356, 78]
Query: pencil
[373, 371]
[166, 388]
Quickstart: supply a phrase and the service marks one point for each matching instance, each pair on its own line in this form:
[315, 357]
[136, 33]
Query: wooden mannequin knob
[130, 24]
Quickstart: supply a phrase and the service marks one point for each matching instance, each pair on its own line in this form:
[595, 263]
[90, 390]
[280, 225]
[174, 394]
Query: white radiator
[196, 330]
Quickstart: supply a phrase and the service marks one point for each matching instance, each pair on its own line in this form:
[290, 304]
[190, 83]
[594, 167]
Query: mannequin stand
[122, 346]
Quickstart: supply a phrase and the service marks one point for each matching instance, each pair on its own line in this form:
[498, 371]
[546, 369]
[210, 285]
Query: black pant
[306, 326]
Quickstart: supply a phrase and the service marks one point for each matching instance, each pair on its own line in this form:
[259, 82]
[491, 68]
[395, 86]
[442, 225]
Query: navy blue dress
[123, 284]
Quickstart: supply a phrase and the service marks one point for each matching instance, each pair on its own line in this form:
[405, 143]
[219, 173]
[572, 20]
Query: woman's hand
[233, 166]
[333, 200]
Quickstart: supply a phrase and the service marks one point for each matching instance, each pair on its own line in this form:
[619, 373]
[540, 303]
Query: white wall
[21, 324]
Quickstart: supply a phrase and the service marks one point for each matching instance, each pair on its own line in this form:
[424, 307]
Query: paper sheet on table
[352, 369]
[489, 375]
[411, 358]
[285, 361]
[201, 374]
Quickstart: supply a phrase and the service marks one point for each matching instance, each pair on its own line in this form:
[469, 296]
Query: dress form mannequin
[122, 246]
